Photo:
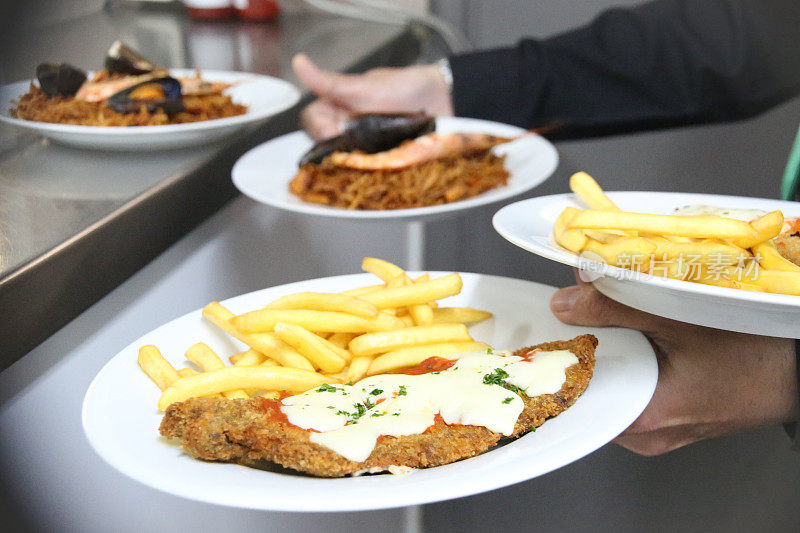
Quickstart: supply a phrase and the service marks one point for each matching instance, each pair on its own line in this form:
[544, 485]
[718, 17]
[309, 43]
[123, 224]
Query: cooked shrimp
[420, 150]
[791, 226]
[97, 91]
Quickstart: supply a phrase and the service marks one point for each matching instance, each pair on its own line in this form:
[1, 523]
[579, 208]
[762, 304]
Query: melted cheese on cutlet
[481, 389]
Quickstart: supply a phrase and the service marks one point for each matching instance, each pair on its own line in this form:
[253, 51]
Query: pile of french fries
[304, 340]
[707, 249]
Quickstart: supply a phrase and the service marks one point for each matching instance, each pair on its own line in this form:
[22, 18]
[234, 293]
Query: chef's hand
[384, 90]
[711, 382]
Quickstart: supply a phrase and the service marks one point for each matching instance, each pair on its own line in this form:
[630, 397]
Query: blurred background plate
[264, 95]
[264, 172]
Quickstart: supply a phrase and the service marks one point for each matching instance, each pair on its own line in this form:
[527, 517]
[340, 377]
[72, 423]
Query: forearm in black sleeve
[661, 63]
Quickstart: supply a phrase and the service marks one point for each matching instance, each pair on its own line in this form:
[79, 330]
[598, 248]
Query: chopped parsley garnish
[402, 391]
[437, 372]
[331, 407]
[395, 414]
[498, 377]
[375, 392]
[533, 429]
[508, 400]
[490, 351]
[377, 414]
[360, 410]
[326, 388]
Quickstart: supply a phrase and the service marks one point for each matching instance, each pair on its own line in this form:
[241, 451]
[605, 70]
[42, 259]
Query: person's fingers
[335, 87]
[656, 443]
[321, 119]
[583, 305]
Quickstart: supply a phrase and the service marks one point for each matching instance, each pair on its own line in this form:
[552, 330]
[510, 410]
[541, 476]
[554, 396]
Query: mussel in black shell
[371, 133]
[60, 80]
[158, 93]
[122, 59]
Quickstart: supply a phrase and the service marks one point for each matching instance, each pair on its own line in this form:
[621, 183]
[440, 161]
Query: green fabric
[791, 176]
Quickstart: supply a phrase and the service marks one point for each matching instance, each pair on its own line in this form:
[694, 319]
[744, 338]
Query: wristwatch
[446, 72]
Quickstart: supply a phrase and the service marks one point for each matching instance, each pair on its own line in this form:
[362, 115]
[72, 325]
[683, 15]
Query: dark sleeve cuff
[506, 85]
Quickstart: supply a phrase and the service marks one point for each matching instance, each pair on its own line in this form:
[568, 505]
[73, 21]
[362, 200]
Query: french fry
[702, 226]
[706, 250]
[628, 252]
[264, 320]
[383, 269]
[375, 343]
[400, 281]
[590, 192]
[238, 377]
[604, 236]
[406, 320]
[777, 281]
[344, 353]
[770, 258]
[318, 301]
[572, 240]
[186, 372]
[266, 343]
[730, 283]
[766, 227]
[719, 275]
[358, 291]
[156, 367]
[271, 394]
[465, 315]
[204, 357]
[405, 357]
[341, 339]
[416, 293]
[248, 358]
[311, 346]
[358, 369]
[422, 314]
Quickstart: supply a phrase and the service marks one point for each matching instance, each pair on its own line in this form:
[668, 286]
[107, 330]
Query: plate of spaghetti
[432, 168]
[132, 104]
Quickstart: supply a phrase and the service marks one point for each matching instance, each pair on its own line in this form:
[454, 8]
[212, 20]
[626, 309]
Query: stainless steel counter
[75, 223]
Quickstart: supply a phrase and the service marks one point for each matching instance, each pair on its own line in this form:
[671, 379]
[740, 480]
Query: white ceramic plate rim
[554, 251]
[291, 96]
[627, 387]
[241, 180]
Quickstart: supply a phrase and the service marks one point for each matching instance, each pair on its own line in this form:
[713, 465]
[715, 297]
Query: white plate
[264, 96]
[121, 421]
[264, 172]
[529, 225]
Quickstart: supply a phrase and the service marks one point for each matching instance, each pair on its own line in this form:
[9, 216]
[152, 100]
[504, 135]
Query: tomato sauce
[431, 364]
[272, 408]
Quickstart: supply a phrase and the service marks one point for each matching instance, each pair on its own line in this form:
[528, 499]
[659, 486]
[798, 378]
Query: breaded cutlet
[251, 431]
